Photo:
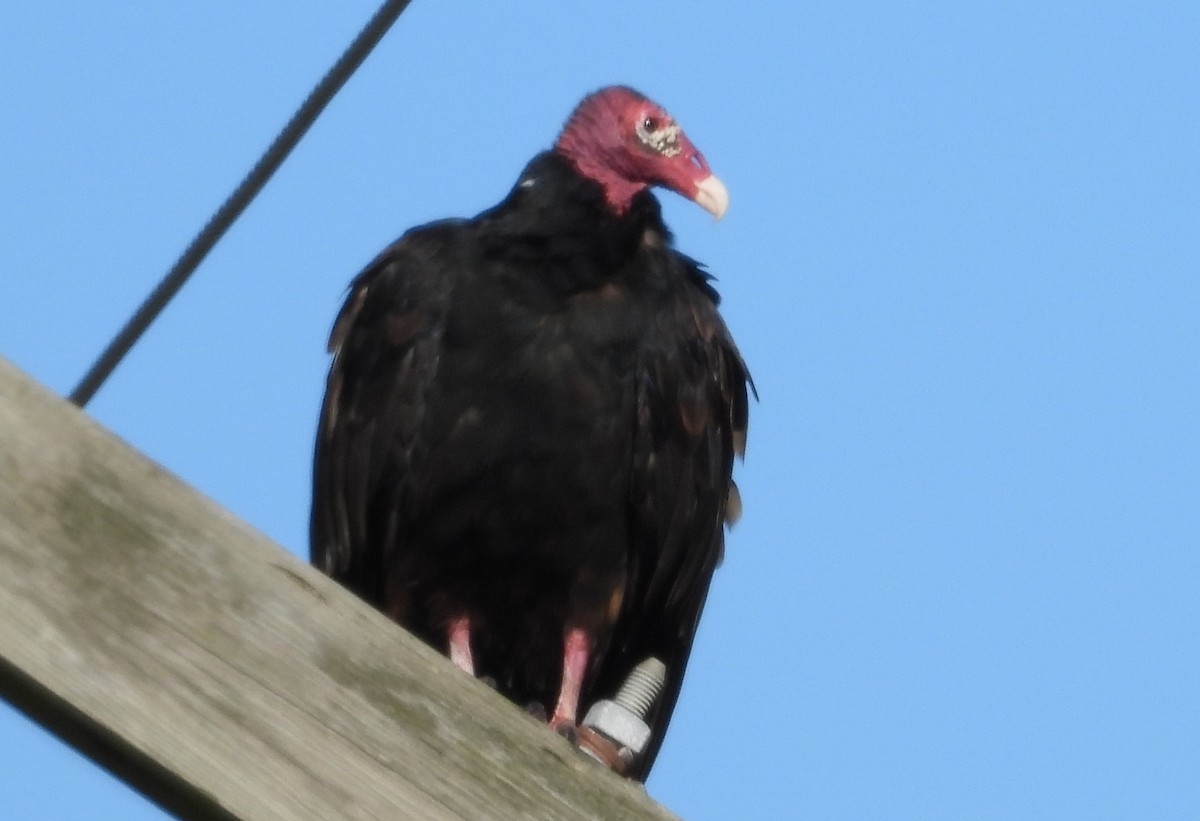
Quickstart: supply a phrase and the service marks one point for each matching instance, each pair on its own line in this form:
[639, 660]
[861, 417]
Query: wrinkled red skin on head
[600, 139]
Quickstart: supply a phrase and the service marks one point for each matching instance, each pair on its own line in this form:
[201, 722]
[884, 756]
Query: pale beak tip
[712, 196]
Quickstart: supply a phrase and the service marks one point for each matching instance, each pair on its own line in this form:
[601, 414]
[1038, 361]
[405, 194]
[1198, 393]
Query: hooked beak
[712, 196]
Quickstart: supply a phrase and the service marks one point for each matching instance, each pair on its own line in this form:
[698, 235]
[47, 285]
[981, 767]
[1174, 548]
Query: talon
[568, 730]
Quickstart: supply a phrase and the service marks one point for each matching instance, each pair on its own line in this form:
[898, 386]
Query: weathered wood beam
[221, 676]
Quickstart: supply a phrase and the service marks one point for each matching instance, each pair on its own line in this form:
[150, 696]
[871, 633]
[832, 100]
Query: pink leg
[576, 649]
[460, 644]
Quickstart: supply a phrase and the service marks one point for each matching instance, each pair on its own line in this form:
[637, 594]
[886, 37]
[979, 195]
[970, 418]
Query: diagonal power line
[233, 207]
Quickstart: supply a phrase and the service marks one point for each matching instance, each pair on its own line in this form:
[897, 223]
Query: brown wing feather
[691, 422]
[385, 343]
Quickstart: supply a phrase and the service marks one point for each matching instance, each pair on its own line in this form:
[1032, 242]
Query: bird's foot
[460, 644]
[568, 729]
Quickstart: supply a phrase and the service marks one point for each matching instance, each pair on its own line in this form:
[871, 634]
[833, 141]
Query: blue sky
[961, 260]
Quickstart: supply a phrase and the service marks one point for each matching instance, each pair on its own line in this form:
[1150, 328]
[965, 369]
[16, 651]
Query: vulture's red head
[626, 142]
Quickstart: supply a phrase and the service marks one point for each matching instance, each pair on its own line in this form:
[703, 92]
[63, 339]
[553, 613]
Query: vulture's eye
[649, 124]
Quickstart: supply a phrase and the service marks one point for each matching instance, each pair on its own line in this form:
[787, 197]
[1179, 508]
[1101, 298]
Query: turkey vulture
[530, 421]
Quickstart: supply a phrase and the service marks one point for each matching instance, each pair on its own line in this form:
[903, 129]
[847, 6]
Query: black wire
[233, 207]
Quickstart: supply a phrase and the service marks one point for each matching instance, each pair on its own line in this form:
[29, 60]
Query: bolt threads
[642, 688]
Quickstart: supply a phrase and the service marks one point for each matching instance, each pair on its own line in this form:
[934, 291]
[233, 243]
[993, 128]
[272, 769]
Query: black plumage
[528, 436]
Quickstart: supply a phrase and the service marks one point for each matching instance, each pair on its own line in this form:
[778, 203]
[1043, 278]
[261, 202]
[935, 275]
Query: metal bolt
[622, 719]
[642, 687]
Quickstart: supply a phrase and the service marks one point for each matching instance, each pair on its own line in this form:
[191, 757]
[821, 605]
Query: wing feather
[385, 344]
[691, 423]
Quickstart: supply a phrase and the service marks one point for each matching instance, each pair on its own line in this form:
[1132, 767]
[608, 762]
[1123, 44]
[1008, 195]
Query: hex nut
[619, 724]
